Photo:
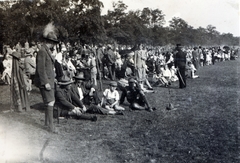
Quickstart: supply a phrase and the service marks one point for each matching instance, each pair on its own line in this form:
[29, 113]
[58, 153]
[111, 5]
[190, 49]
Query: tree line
[81, 20]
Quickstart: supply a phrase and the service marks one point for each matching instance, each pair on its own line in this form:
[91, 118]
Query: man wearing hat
[68, 103]
[135, 96]
[91, 100]
[85, 90]
[44, 76]
[180, 64]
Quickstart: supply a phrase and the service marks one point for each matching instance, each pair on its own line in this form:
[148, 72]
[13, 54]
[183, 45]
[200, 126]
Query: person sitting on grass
[93, 101]
[135, 96]
[68, 104]
[110, 100]
[191, 70]
[88, 93]
[163, 76]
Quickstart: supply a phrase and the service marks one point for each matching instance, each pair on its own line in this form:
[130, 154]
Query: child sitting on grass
[111, 98]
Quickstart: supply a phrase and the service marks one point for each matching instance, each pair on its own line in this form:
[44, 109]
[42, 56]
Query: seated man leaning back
[69, 104]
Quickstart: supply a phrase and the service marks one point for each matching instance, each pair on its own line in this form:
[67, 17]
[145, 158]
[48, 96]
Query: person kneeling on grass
[68, 104]
[135, 96]
[110, 100]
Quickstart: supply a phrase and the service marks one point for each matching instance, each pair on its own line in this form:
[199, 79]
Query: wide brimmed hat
[28, 52]
[65, 81]
[113, 83]
[80, 76]
[52, 37]
[16, 54]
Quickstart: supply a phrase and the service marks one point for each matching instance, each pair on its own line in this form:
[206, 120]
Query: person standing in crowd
[26, 45]
[7, 69]
[140, 58]
[99, 59]
[30, 67]
[139, 61]
[111, 62]
[195, 58]
[19, 93]
[45, 75]
[93, 68]
[180, 64]
[200, 56]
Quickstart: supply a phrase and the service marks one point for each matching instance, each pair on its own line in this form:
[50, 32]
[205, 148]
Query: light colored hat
[16, 54]
[109, 46]
[80, 76]
[63, 47]
[49, 33]
[28, 52]
[113, 83]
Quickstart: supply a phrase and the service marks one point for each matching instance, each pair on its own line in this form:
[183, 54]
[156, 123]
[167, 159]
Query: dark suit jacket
[180, 59]
[66, 99]
[44, 67]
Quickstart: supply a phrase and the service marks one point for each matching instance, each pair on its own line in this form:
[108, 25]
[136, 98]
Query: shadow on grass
[38, 106]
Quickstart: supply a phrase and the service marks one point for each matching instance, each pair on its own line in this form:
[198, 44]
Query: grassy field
[203, 127]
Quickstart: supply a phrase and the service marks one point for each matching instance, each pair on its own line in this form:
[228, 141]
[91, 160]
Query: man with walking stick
[180, 64]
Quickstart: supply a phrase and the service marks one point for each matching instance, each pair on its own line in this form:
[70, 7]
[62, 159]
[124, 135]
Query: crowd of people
[69, 76]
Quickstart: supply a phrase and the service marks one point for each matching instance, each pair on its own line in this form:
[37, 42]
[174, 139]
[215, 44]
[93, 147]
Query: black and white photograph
[119, 81]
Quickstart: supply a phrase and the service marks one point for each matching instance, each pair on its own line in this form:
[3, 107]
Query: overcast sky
[223, 14]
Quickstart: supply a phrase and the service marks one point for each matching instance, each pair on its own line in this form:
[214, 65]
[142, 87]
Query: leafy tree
[81, 20]
[179, 28]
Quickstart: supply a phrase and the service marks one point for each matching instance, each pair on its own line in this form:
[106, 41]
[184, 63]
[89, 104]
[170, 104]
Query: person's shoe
[54, 130]
[94, 118]
[119, 113]
[150, 109]
[150, 88]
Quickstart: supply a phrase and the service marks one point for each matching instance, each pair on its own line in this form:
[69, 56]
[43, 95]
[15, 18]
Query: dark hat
[65, 81]
[178, 45]
[16, 54]
[52, 37]
[80, 76]
[113, 83]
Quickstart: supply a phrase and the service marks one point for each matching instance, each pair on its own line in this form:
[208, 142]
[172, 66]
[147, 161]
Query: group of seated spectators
[80, 69]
